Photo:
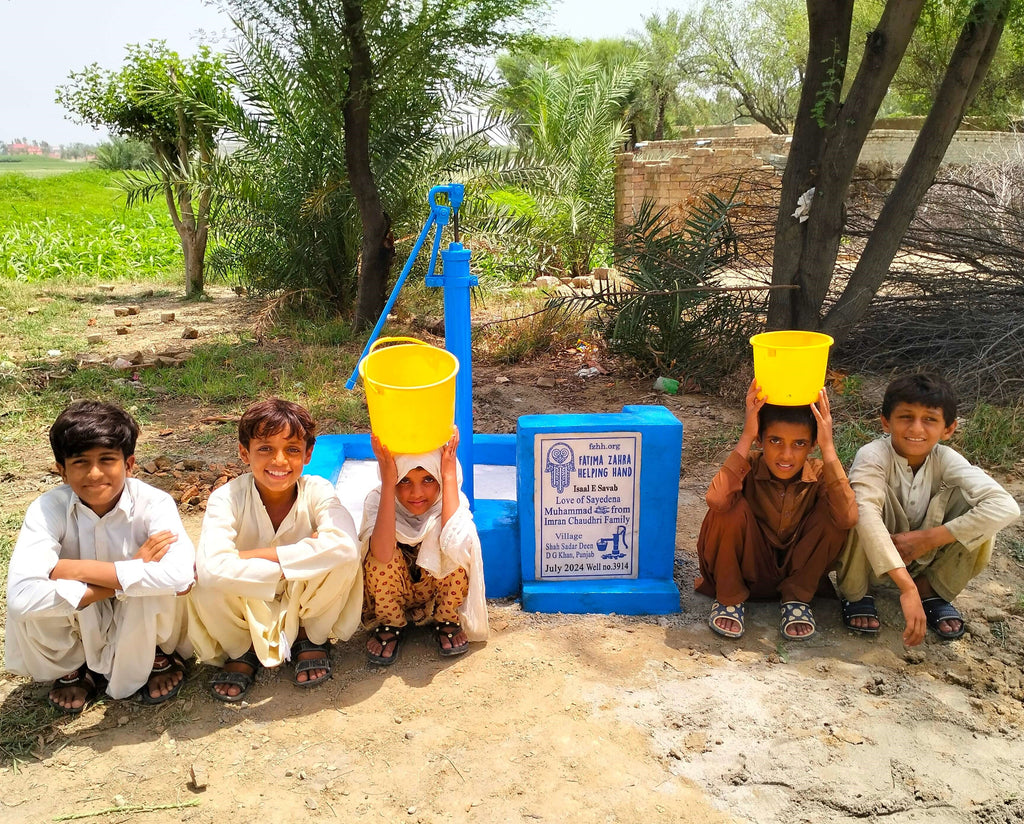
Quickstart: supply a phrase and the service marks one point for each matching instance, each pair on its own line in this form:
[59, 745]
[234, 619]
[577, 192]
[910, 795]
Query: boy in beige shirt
[927, 517]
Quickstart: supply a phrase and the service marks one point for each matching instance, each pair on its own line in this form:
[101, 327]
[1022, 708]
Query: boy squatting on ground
[423, 560]
[928, 518]
[94, 577]
[777, 519]
[278, 569]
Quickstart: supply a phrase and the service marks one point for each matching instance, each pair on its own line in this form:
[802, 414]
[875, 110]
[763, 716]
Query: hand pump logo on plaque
[587, 513]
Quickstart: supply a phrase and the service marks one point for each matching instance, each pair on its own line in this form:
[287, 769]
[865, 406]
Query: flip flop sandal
[172, 663]
[92, 682]
[864, 608]
[395, 638]
[938, 609]
[797, 612]
[320, 662]
[242, 680]
[449, 629]
[734, 612]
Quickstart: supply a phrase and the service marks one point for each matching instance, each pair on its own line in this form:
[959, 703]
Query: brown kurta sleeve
[727, 485]
[842, 504]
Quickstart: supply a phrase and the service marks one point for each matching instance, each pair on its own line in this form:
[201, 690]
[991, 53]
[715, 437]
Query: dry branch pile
[954, 299]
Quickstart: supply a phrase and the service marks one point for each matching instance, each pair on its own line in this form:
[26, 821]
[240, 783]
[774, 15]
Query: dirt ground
[557, 718]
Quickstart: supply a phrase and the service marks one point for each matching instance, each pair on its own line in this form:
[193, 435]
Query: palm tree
[567, 126]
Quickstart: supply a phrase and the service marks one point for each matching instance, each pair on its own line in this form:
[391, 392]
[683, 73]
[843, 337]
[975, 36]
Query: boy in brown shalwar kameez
[777, 519]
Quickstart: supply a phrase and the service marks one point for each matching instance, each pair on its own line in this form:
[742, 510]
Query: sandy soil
[597, 718]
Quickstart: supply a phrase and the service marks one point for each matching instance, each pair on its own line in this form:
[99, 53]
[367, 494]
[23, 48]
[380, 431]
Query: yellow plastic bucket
[790, 366]
[410, 393]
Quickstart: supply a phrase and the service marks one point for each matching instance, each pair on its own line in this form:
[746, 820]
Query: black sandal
[172, 663]
[449, 629]
[395, 637]
[321, 662]
[242, 680]
[937, 610]
[92, 682]
[864, 608]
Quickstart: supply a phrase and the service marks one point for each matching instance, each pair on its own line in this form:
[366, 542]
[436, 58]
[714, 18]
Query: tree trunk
[967, 68]
[812, 266]
[659, 126]
[193, 244]
[378, 245]
[829, 27]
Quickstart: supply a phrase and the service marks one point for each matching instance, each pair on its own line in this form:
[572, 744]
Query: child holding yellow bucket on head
[422, 554]
[777, 519]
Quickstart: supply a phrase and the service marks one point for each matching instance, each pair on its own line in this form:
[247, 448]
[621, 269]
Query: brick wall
[676, 173]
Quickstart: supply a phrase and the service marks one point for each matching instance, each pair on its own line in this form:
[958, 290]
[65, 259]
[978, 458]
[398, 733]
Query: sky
[41, 43]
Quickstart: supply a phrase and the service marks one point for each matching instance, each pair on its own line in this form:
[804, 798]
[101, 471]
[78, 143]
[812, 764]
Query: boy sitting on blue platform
[777, 519]
[928, 518]
[94, 577]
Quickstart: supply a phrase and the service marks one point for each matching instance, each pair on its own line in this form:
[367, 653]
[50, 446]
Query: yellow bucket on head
[410, 393]
[790, 366]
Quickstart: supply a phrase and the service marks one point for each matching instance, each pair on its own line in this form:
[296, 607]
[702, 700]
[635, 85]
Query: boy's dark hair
[925, 388]
[267, 418]
[771, 413]
[84, 425]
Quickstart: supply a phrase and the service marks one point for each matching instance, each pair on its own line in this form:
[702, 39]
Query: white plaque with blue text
[587, 500]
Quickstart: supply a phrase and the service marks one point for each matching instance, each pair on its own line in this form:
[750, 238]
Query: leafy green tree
[830, 131]
[754, 49]
[376, 87]
[175, 105]
[120, 154]
[1000, 97]
[665, 45]
[559, 191]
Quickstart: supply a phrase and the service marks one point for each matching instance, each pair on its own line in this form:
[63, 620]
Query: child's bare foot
[165, 680]
[72, 692]
[451, 638]
[235, 678]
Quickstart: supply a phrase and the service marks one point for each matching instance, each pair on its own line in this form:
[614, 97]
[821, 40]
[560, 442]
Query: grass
[1015, 547]
[526, 335]
[36, 166]
[74, 226]
[992, 435]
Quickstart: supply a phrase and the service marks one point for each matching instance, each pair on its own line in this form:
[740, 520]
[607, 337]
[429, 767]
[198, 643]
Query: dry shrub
[954, 299]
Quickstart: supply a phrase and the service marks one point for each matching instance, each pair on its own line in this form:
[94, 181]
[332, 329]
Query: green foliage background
[73, 224]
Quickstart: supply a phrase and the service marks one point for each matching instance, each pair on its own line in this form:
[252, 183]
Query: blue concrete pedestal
[598, 497]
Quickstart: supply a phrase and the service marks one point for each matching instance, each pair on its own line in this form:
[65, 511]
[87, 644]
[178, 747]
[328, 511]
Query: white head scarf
[412, 529]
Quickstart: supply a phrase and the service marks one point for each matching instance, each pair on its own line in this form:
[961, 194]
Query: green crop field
[35, 166]
[72, 224]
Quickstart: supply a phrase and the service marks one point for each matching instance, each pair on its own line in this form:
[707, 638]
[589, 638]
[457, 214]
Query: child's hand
[449, 462]
[754, 402]
[385, 461]
[823, 414]
[156, 546]
[912, 545]
[913, 614]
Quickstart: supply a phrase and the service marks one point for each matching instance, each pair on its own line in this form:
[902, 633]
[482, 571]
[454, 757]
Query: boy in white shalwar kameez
[93, 581]
[278, 570]
[423, 560]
